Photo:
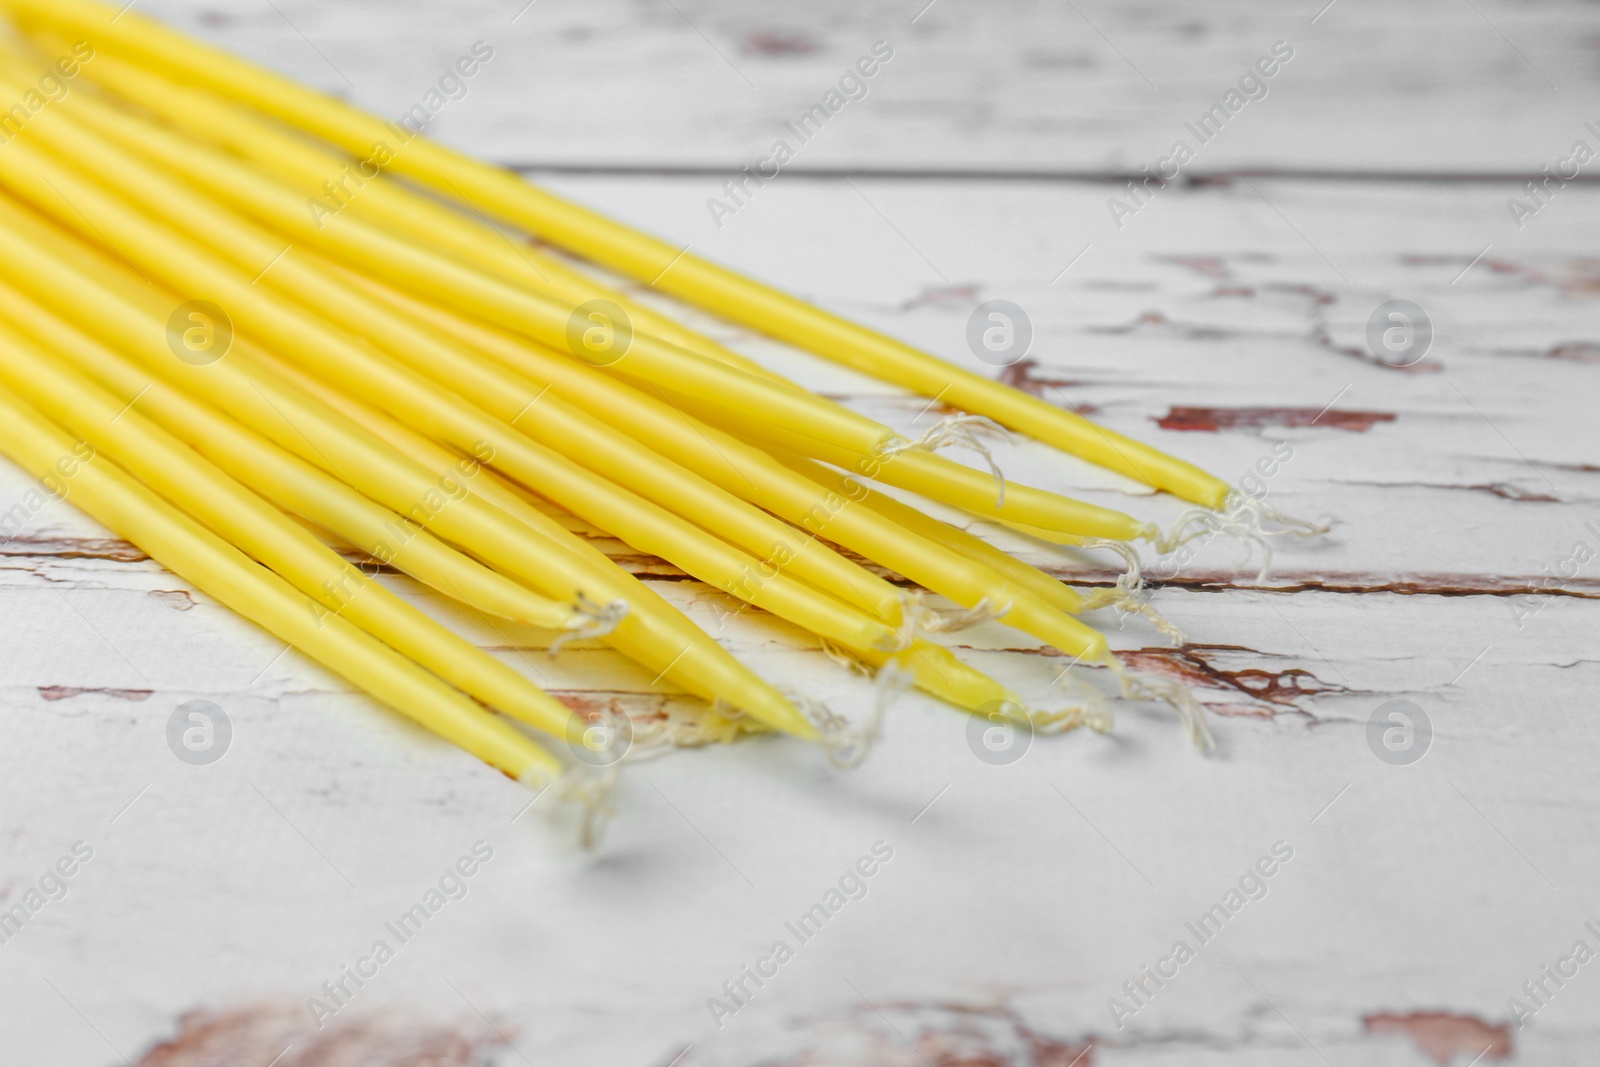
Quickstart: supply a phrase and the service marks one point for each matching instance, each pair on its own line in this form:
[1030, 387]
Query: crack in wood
[1213, 420]
[285, 1035]
[1159, 321]
[1267, 692]
[1024, 375]
[67, 692]
[1442, 1036]
[916, 1034]
[936, 1033]
[1503, 490]
[111, 549]
[778, 43]
[943, 296]
[652, 569]
[1571, 351]
[1451, 585]
[1205, 266]
[1318, 296]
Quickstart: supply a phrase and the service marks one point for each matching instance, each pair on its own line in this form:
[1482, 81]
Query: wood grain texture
[1431, 87]
[1220, 321]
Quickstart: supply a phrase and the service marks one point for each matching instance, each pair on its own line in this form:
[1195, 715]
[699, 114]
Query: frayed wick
[1141, 687]
[1251, 522]
[1127, 595]
[601, 742]
[589, 619]
[686, 727]
[959, 431]
[607, 740]
[1090, 709]
[918, 620]
[848, 744]
[581, 794]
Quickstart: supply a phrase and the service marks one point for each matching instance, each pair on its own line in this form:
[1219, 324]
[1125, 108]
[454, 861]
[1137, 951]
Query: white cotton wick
[920, 620]
[1137, 686]
[588, 620]
[848, 745]
[1246, 520]
[1127, 595]
[959, 431]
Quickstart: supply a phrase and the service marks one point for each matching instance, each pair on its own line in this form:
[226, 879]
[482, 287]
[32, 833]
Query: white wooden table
[1019, 898]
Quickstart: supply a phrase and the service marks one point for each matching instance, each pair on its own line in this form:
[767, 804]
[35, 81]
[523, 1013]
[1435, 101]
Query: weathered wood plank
[1217, 321]
[1430, 87]
[1052, 909]
[223, 884]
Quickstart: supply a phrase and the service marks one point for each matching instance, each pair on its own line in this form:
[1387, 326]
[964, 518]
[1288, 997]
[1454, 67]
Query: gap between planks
[1049, 176]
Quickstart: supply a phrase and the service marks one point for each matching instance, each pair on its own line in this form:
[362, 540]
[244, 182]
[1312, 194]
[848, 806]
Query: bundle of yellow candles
[236, 384]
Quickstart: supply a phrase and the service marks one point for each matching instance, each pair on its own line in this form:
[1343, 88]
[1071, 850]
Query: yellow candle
[99, 488]
[248, 522]
[292, 484]
[652, 632]
[941, 533]
[752, 579]
[628, 251]
[226, 178]
[360, 189]
[487, 485]
[439, 413]
[504, 305]
[935, 670]
[742, 468]
[934, 477]
[409, 266]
